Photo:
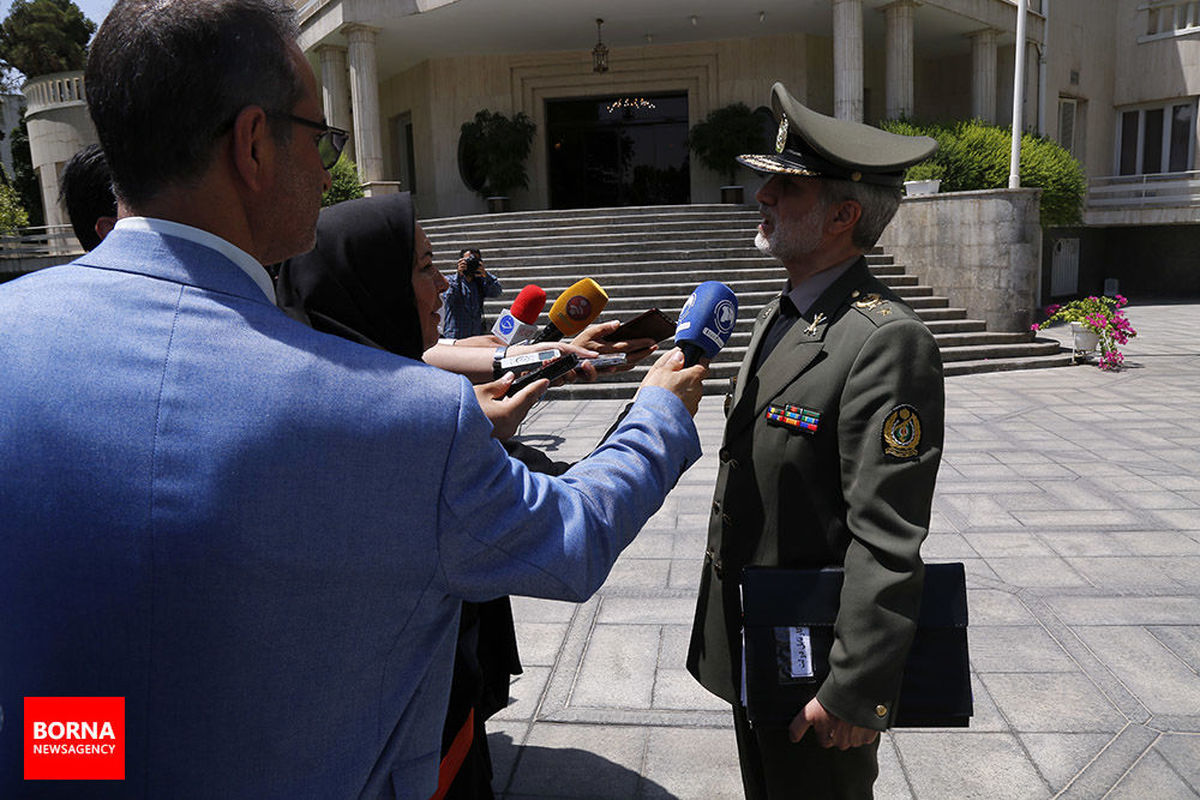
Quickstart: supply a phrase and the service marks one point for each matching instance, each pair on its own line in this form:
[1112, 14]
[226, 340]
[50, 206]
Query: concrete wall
[1149, 262]
[982, 250]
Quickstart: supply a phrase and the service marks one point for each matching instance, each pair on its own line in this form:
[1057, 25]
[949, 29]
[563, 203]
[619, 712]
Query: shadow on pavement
[528, 772]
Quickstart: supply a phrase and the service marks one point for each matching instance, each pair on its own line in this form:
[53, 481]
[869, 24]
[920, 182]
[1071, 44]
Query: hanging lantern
[599, 52]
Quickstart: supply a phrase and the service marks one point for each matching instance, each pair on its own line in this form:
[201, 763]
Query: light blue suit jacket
[259, 534]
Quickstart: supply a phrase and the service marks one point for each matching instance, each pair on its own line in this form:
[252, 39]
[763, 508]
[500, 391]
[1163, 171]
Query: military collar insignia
[902, 432]
[872, 302]
[811, 330]
[794, 418]
[782, 134]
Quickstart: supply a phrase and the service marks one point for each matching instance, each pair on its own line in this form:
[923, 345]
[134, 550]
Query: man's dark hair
[166, 79]
[466, 250]
[85, 188]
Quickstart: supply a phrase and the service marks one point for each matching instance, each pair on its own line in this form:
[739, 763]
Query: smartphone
[652, 324]
[552, 370]
[610, 360]
[522, 364]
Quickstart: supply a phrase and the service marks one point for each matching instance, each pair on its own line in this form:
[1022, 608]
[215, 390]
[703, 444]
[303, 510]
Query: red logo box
[75, 738]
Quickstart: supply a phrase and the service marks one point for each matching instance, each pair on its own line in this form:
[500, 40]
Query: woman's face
[428, 285]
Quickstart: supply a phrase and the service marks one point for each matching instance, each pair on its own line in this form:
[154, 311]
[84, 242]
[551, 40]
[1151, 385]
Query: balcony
[57, 90]
[1166, 198]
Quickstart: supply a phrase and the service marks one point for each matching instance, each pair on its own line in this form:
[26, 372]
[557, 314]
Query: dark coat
[855, 493]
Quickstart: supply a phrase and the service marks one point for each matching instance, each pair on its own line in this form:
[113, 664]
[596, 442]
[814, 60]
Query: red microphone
[518, 323]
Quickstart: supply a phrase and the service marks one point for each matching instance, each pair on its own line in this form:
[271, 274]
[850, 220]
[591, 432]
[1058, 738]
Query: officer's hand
[507, 413]
[686, 384]
[829, 730]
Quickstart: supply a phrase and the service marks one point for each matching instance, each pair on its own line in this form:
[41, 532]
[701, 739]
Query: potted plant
[491, 155]
[923, 178]
[1095, 321]
[725, 134]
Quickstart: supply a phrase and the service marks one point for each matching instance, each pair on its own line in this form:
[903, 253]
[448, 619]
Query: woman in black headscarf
[371, 279]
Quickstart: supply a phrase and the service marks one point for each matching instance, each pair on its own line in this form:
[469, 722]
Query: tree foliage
[345, 184]
[40, 37]
[974, 155]
[12, 215]
[725, 134]
[25, 179]
[492, 152]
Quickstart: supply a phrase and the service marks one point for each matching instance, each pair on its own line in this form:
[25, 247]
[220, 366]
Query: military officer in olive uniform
[831, 450]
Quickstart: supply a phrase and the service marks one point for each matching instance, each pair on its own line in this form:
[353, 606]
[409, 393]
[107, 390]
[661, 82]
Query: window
[1156, 139]
[1067, 108]
[1165, 19]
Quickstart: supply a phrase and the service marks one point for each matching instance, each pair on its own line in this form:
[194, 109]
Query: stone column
[983, 74]
[364, 97]
[335, 91]
[848, 60]
[899, 16]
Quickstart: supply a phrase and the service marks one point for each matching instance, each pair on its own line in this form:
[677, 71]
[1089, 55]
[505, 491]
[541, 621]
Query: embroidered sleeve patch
[902, 432]
[794, 417]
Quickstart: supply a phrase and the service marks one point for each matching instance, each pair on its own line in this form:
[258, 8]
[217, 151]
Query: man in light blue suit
[256, 534]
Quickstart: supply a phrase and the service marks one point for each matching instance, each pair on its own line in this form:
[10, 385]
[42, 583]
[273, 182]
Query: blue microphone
[706, 321]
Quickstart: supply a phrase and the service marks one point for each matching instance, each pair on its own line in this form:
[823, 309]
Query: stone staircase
[655, 256]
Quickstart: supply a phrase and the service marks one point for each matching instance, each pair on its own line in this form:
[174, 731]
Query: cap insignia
[856, 176]
[781, 134]
[902, 432]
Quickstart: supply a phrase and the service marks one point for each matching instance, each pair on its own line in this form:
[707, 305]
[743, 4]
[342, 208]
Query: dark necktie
[783, 323]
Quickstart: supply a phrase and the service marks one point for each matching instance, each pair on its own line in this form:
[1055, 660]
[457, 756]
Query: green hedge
[345, 183]
[975, 155]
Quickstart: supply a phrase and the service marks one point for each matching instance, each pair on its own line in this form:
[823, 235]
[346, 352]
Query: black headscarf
[357, 281]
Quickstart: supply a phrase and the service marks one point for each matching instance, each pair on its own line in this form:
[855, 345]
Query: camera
[473, 263]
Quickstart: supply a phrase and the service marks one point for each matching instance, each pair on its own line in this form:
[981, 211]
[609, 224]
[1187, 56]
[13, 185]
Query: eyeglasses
[330, 142]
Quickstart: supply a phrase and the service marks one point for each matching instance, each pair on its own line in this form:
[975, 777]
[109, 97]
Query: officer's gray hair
[878, 203]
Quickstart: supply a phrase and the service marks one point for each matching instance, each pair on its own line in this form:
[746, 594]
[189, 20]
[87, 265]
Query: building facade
[1115, 81]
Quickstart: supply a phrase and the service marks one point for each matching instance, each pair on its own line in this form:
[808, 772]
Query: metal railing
[46, 240]
[1156, 190]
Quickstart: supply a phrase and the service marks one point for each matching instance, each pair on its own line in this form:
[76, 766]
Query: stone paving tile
[892, 783]
[1152, 777]
[1039, 571]
[525, 692]
[676, 688]
[1060, 702]
[946, 547]
[993, 544]
[1059, 757]
[969, 766]
[1017, 648]
[618, 668]
[993, 607]
[1116, 574]
[697, 764]
[1182, 752]
[647, 610]
[532, 609]
[1157, 543]
[639, 573]
[1182, 640]
[1084, 543]
[1170, 610]
[553, 763]
[1155, 674]
[539, 642]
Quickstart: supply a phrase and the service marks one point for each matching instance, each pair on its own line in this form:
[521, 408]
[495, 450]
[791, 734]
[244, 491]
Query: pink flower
[1033, 327]
[1053, 309]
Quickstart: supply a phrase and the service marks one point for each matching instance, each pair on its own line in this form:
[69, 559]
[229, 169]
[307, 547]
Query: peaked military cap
[808, 143]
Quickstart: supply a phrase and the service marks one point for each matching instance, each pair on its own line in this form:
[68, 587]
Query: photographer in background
[463, 313]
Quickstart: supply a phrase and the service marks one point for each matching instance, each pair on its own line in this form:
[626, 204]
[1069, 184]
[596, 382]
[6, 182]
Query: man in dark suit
[254, 538]
[831, 450]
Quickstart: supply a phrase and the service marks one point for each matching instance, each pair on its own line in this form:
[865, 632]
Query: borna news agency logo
[75, 738]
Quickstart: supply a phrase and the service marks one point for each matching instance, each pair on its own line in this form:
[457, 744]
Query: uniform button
[733, 463]
[723, 454]
[716, 508]
[881, 711]
[728, 520]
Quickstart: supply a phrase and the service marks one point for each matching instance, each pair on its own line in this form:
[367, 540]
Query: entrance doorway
[618, 151]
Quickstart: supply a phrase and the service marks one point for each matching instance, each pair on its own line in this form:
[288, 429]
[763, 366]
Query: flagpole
[1014, 160]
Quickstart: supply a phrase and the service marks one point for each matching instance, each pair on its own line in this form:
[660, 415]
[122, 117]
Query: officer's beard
[793, 240]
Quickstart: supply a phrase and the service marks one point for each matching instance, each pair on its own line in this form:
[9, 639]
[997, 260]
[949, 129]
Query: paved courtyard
[1072, 496]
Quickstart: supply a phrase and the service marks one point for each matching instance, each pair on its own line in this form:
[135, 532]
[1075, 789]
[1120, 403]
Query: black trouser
[775, 768]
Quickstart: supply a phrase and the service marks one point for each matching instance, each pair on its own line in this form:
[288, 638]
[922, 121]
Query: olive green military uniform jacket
[856, 492]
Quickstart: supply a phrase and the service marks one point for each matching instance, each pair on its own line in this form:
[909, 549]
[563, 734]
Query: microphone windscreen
[578, 307]
[529, 304]
[707, 319]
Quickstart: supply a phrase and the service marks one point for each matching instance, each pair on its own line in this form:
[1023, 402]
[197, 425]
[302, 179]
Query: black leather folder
[936, 690]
